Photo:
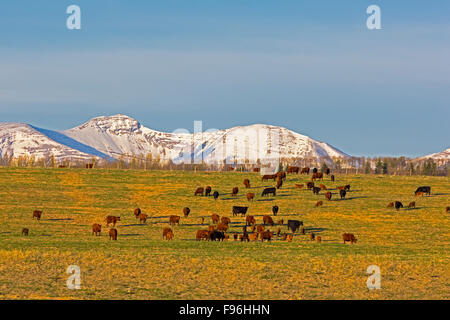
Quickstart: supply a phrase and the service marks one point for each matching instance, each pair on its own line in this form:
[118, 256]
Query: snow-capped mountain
[444, 155]
[119, 136]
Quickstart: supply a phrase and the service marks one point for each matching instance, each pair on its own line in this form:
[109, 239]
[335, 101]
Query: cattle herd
[251, 231]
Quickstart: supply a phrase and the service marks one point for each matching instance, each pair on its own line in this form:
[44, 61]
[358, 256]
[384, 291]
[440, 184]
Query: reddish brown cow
[256, 169]
[268, 220]
[143, 217]
[37, 214]
[222, 227]
[293, 169]
[25, 231]
[266, 235]
[310, 185]
[186, 211]
[268, 177]
[250, 220]
[137, 212]
[298, 186]
[390, 205]
[247, 183]
[173, 220]
[279, 183]
[328, 195]
[250, 196]
[202, 235]
[112, 219]
[289, 237]
[253, 236]
[169, 235]
[259, 228]
[235, 191]
[199, 191]
[96, 229]
[215, 218]
[322, 187]
[349, 237]
[319, 239]
[281, 175]
[112, 234]
[166, 230]
[319, 203]
[412, 204]
[305, 170]
[317, 175]
[225, 220]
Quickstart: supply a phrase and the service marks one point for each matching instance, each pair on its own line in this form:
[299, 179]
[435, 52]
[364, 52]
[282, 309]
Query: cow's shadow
[352, 198]
[130, 234]
[265, 200]
[61, 219]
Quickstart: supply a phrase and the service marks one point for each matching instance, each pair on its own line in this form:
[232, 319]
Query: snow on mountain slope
[18, 139]
[121, 135]
[444, 155]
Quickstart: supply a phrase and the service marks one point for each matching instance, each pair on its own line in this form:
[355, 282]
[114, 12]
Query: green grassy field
[410, 246]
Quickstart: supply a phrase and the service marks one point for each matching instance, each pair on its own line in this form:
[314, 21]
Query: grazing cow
[216, 235]
[317, 175]
[215, 218]
[166, 230]
[247, 183]
[289, 237]
[293, 169]
[319, 239]
[259, 228]
[25, 231]
[347, 187]
[419, 194]
[112, 219]
[112, 234]
[293, 225]
[298, 186]
[390, 205]
[208, 191]
[256, 169]
[319, 203]
[310, 185]
[284, 236]
[268, 220]
[275, 210]
[328, 195]
[268, 191]
[279, 183]
[266, 235]
[424, 189]
[278, 231]
[332, 177]
[173, 220]
[137, 212]
[199, 191]
[222, 227]
[250, 220]
[312, 236]
[215, 195]
[253, 236]
[89, 165]
[322, 187]
[412, 204]
[37, 214]
[327, 171]
[241, 210]
[281, 175]
[169, 235]
[315, 170]
[231, 169]
[143, 218]
[186, 211]
[349, 237]
[202, 235]
[342, 193]
[225, 220]
[268, 177]
[281, 222]
[96, 229]
[305, 170]
[398, 205]
[316, 190]
[235, 191]
[250, 196]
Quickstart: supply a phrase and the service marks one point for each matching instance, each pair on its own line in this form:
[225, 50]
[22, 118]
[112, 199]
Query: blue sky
[310, 66]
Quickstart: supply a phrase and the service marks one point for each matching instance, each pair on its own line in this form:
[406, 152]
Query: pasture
[411, 246]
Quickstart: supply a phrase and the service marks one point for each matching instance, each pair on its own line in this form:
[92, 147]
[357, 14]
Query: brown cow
[222, 227]
[317, 175]
[199, 191]
[328, 195]
[37, 214]
[235, 191]
[281, 175]
[112, 219]
[96, 229]
[298, 186]
[322, 187]
[293, 169]
[253, 236]
[250, 220]
[259, 228]
[202, 235]
[310, 185]
[250, 196]
[447, 209]
[215, 218]
[319, 239]
[208, 191]
[281, 222]
[256, 169]
[412, 204]
[312, 236]
[89, 165]
[169, 235]
[390, 205]
[225, 220]
[266, 235]
[289, 237]
[166, 230]
[305, 170]
[137, 212]
[349, 237]
[279, 183]
[186, 211]
[268, 177]
[25, 231]
[112, 234]
[173, 220]
[319, 203]
[268, 220]
[143, 217]
[247, 183]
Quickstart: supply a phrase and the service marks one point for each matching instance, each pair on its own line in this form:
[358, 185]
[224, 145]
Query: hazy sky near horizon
[310, 66]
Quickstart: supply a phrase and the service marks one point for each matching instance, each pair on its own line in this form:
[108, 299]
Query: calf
[319, 239]
[112, 234]
[289, 237]
[328, 195]
[166, 230]
[342, 193]
[96, 229]
[310, 185]
[347, 187]
[235, 191]
[316, 190]
[319, 203]
[253, 236]
[268, 220]
[275, 210]
[247, 183]
[199, 191]
[239, 210]
[186, 211]
[208, 191]
[37, 214]
[215, 195]
[268, 191]
[143, 218]
[293, 225]
[398, 205]
[137, 212]
[173, 220]
[250, 220]
[250, 196]
[112, 219]
[412, 204]
[215, 218]
[169, 235]
[25, 231]
[390, 205]
[349, 237]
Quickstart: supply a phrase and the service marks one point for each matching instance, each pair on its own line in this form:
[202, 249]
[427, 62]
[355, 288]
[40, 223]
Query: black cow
[275, 210]
[207, 191]
[241, 210]
[216, 235]
[215, 195]
[342, 193]
[327, 171]
[398, 205]
[267, 191]
[315, 170]
[316, 190]
[294, 225]
[424, 189]
[332, 177]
